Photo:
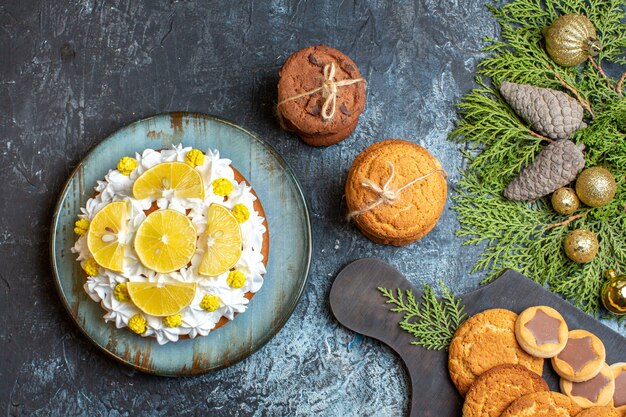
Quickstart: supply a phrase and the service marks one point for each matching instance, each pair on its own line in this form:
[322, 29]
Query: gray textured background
[72, 72]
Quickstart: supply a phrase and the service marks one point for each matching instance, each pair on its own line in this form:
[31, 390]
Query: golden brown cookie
[395, 192]
[619, 397]
[485, 340]
[304, 71]
[497, 388]
[598, 390]
[541, 331]
[605, 411]
[542, 404]
[582, 358]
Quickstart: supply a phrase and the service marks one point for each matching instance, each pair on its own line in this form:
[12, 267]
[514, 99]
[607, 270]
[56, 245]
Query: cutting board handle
[358, 305]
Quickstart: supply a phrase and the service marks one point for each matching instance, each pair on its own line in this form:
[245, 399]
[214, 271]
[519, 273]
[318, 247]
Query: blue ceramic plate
[289, 256]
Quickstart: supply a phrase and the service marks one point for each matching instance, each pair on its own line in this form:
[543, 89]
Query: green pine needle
[515, 235]
[431, 322]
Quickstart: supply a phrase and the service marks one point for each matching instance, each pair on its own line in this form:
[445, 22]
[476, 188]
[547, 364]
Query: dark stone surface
[71, 72]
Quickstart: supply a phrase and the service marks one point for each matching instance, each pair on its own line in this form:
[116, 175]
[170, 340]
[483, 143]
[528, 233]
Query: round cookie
[541, 331]
[542, 404]
[619, 398]
[596, 391]
[402, 215]
[582, 358]
[605, 411]
[497, 388]
[327, 140]
[302, 72]
[321, 139]
[485, 340]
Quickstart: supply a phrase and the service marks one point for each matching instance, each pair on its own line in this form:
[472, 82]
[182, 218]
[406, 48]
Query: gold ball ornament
[581, 245]
[571, 40]
[613, 293]
[596, 186]
[565, 201]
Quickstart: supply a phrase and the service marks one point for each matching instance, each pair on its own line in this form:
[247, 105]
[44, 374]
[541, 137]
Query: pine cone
[556, 166]
[549, 112]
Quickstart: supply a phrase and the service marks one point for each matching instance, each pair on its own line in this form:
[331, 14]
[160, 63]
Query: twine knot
[329, 89]
[387, 194]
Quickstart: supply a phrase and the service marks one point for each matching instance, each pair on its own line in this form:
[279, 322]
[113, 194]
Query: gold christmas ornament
[581, 245]
[595, 186]
[613, 293]
[571, 39]
[565, 201]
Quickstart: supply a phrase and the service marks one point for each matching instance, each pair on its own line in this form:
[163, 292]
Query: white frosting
[195, 320]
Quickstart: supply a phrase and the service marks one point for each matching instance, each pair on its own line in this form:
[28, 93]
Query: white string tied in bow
[387, 194]
[329, 89]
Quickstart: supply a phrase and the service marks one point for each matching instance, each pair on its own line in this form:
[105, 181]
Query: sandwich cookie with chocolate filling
[619, 398]
[541, 331]
[595, 391]
[582, 358]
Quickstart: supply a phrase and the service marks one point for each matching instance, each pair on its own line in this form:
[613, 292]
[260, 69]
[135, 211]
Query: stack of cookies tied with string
[395, 192]
[321, 95]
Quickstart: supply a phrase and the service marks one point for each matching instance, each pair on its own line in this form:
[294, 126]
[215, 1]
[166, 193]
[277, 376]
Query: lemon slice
[161, 299]
[223, 238]
[176, 179]
[106, 238]
[165, 241]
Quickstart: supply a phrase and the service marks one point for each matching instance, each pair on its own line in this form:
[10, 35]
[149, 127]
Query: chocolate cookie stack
[321, 95]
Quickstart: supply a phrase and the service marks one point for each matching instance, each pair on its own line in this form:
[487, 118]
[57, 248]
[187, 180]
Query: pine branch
[528, 237]
[567, 221]
[620, 84]
[431, 322]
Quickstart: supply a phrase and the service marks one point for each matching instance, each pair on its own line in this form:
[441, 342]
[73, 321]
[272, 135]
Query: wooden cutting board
[357, 304]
